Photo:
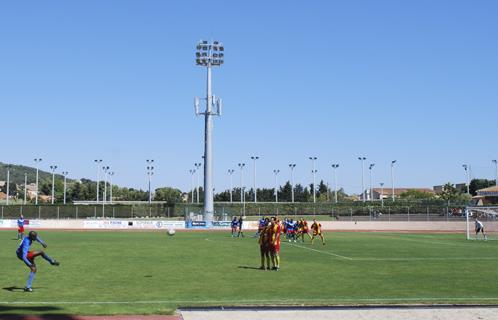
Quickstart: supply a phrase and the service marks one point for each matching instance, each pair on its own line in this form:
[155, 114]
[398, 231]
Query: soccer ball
[171, 232]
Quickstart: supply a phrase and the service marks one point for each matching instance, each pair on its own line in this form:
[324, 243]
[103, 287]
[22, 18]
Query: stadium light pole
[335, 166]
[292, 166]
[496, 171]
[197, 165]
[53, 168]
[370, 167]
[65, 173]
[37, 161]
[242, 196]
[392, 178]
[382, 194]
[254, 158]
[209, 54]
[25, 187]
[104, 195]
[276, 172]
[362, 159]
[230, 173]
[192, 171]
[98, 162]
[150, 173]
[110, 185]
[467, 171]
[8, 183]
[314, 171]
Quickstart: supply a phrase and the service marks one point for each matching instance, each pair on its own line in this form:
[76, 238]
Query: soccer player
[20, 227]
[261, 225]
[28, 257]
[264, 245]
[239, 223]
[317, 231]
[480, 228]
[276, 230]
[234, 226]
[303, 229]
[291, 230]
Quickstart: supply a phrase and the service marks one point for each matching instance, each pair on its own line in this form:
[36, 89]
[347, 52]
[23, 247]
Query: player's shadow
[13, 312]
[13, 289]
[249, 268]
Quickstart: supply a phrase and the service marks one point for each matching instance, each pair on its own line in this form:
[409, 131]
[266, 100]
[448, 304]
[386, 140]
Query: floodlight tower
[112, 173]
[53, 168]
[242, 195]
[37, 161]
[276, 172]
[382, 194]
[467, 171]
[65, 173]
[98, 162]
[392, 178]
[209, 54]
[230, 172]
[192, 171]
[150, 173]
[292, 166]
[370, 167]
[314, 171]
[8, 183]
[197, 165]
[496, 171]
[362, 159]
[254, 158]
[335, 166]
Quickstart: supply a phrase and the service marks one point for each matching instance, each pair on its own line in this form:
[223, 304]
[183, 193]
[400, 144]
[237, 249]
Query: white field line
[255, 301]
[427, 259]
[396, 237]
[319, 251]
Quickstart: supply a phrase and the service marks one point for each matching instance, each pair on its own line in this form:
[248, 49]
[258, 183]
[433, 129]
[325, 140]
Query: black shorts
[480, 230]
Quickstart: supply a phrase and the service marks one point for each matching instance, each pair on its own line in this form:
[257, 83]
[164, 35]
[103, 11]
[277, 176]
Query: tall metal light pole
[37, 161]
[276, 172]
[150, 173]
[192, 171]
[98, 162]
[8, 183]
[496, 171]
[362, 159]
[242, 195]
[467, 171]
[110, 185]
[53, 168]
[382, 194]
[292, 166]
[314, 171]
[197, 167]
[65, 173]
[25, 187]
[104, 195]
[230, 173]
[254, 158]
[209, 54]
[335, 166]
[392, 178]
[370, 167]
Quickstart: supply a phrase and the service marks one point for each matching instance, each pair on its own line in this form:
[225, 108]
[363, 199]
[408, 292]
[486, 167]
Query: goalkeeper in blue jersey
[28, 257]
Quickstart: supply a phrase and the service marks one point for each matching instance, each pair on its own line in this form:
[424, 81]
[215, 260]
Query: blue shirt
[234, 223]
[23, 249]
[20, 222]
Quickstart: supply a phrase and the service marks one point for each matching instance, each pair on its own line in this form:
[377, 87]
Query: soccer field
[151, 273]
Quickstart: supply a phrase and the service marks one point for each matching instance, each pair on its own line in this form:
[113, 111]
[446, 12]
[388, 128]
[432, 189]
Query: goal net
[488, 217]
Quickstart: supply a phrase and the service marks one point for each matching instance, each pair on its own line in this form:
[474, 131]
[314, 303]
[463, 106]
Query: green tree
[416, 195]
[167, 194]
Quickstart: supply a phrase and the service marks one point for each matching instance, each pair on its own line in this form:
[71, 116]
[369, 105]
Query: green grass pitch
[152, 273]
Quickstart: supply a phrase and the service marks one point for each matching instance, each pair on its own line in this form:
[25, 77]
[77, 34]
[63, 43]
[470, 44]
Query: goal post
[488, 216]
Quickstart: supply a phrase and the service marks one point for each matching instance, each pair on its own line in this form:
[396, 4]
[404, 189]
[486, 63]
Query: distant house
[386, 193]
[462, 187]
[486, 196]
[31, 188]
[3, 196]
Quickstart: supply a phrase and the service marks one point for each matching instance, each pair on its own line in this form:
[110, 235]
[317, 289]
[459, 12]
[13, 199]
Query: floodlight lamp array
[209, 54]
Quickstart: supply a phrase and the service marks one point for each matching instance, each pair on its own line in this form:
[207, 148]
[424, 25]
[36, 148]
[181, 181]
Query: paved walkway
[349, 314]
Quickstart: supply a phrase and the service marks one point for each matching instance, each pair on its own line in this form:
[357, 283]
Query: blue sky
[413, 81]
